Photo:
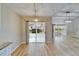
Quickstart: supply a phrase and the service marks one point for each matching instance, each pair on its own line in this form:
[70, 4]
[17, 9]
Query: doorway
[60, 33]
[36, 32]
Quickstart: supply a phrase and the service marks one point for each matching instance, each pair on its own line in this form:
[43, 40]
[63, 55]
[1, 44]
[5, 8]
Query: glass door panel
[41, 32]
[36, 32]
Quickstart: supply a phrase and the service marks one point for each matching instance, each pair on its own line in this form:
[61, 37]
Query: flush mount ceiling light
[35, 11]
[68, 21]
[36, 20]
[67, 17]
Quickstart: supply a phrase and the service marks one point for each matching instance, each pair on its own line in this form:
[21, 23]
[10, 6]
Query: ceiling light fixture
[35, 11]
[68, 21]
[67, 17]
[36, 20]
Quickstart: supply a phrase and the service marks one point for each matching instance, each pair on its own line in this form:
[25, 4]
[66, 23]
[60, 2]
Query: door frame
[27, 31]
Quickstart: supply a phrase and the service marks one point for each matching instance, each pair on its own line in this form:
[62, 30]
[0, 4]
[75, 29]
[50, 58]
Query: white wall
[48, 30]
[56, 20]
[70, 28]
[0, 19]
[23, 31]
[76, 27]
[11, 26]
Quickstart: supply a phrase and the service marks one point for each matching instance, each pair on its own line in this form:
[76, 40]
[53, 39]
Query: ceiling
[56, 10]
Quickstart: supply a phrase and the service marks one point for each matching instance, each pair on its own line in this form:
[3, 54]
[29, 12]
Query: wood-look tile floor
[67, 47]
